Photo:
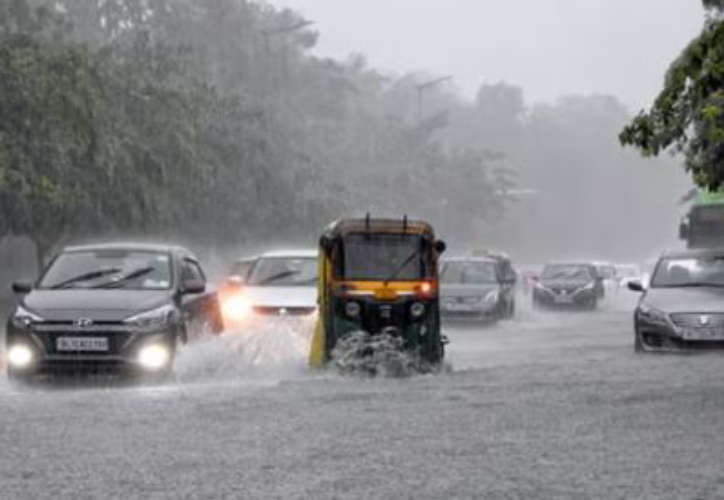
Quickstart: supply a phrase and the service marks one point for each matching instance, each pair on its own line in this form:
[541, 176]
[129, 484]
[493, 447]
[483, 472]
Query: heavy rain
[361, 249]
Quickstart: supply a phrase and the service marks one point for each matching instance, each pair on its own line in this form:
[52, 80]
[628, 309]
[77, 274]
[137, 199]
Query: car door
[195, 304]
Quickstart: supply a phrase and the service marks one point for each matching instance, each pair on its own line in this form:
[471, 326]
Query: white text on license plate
[94, 344]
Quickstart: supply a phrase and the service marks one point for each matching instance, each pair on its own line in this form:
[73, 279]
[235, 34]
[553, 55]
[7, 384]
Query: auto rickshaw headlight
[417, 309]
[352, 309]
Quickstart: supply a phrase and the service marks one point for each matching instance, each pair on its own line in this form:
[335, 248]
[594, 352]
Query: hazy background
[256, 130]
[549, 48]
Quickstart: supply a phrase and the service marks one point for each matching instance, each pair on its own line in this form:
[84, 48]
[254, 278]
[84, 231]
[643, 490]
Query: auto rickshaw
[379, 276]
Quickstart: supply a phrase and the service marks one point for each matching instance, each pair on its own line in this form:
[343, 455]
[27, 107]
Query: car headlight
[587, 287]
[154, 356]
[20, 356]
[652, 315]
[417, 309]
[24, 318]
[352, 309]
[236, 308]
[492, 296]
[153, 318]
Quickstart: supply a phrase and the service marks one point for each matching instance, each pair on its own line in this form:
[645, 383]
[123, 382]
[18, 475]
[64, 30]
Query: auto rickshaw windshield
[380, 257]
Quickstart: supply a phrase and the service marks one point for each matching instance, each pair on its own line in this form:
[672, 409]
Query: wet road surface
[544, 406]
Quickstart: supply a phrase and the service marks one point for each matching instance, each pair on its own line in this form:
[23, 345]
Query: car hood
[454, 290]
[278, 296]
[98, 305]
[673, 300]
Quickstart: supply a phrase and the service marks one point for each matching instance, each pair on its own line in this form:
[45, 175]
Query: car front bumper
[549, 298]
[666, 336]
[123, 353]
[485, 311]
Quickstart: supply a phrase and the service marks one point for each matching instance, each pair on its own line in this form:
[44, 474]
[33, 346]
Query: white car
[278, 285]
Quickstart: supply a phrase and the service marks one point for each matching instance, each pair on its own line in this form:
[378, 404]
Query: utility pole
[422, 87]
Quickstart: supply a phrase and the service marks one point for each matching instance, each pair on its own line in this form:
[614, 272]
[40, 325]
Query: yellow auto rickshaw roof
[343, 227]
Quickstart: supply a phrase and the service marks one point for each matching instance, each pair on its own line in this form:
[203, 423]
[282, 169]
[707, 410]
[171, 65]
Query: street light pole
[422, 87]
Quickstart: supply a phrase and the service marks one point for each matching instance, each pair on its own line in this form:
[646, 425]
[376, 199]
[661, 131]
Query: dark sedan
[568, 285]
[110, 308]
[683, 308]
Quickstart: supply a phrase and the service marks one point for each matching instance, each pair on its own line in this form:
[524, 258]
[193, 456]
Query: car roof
[470, 259]
[694, 253]
[291, 254]
[570, 263]
[142, 247]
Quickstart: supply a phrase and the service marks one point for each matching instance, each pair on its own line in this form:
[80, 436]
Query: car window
[469, 273]
[115, 268]
[284, 271]
[682, 272]
[566, 272]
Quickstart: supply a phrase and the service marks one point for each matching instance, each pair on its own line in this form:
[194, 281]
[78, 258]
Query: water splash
[361, 354]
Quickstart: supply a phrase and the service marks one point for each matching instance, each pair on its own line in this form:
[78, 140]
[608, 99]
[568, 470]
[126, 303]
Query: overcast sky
[548, 47]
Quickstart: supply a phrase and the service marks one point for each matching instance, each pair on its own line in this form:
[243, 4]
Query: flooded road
[547, 405]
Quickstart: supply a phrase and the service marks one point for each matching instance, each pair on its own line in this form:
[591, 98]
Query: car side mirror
[440, 246]
[635, 286]
[193, 286]
[22, 287]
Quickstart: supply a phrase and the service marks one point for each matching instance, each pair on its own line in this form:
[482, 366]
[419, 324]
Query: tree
[688, 114]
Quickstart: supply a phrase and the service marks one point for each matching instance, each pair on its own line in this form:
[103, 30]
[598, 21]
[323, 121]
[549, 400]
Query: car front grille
[698, 320]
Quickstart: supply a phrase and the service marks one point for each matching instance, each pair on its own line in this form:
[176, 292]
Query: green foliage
[688, 114]
[209, 121]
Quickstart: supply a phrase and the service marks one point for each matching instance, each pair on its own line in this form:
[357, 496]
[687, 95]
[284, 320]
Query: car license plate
[94, 344]
[563, 299]
[705, 334]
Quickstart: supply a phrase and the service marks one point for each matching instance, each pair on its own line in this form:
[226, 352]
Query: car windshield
[377, 257]
[284, 271]
[241, 268]
[469, 273]
[566, 272]
[689, 272]
[129, 269]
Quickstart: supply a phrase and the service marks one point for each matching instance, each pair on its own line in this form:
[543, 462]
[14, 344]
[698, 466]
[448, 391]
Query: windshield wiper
[402, 266]
[136, 273]
[277, 276]
[86, 277]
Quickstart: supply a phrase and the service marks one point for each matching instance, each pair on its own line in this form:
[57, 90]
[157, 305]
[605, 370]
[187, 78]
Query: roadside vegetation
[215, 122]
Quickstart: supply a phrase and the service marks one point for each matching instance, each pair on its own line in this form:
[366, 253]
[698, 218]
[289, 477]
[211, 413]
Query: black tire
[433, 350]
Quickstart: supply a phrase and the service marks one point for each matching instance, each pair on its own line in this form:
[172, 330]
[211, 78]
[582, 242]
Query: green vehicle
[703, 225]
